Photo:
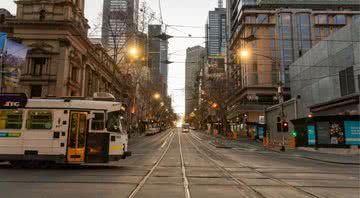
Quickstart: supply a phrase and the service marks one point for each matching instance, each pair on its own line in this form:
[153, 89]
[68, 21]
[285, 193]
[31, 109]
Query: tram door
[77, 137]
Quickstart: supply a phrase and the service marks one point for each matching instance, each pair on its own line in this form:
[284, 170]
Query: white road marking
[186, 181]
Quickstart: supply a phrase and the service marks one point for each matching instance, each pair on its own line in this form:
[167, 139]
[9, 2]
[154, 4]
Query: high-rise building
[274, 34]
[119, 27]
[158, 55]
[195, 61]
[216, 31]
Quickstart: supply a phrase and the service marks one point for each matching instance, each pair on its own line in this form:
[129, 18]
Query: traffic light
[279, 129]
[285, 127]
[294, 134]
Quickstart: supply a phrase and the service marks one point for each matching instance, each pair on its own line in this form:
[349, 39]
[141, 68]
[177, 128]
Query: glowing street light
[133, 52]
[244, 53]
[157, 96]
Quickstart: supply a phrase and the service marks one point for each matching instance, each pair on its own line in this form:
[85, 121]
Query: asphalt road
[172, 164]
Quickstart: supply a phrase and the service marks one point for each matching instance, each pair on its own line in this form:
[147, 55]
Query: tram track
[185, 179]
[148, 175]
[238, 181]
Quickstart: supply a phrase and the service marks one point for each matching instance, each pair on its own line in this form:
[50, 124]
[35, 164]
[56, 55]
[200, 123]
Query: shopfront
[329, 131]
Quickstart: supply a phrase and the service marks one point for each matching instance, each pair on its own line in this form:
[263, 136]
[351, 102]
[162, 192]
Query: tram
[62, 131]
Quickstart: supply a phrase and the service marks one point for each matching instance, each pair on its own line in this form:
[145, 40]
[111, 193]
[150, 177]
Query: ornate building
[61, 60]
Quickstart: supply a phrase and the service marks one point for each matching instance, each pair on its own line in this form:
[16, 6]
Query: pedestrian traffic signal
[285, 127]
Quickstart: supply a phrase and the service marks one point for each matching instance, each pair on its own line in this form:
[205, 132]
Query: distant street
[174, 164]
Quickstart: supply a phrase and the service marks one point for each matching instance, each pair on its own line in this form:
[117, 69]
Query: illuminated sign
[352, 132]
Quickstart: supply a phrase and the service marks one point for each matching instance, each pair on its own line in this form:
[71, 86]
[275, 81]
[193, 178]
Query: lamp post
[245, 54]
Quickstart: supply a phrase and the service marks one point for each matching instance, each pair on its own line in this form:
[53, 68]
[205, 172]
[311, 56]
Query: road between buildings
[174, 164]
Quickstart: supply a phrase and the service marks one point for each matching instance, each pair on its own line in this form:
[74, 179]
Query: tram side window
[39, 120]
[10, 119]
[98, 122]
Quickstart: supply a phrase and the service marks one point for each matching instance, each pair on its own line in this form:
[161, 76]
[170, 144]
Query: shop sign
[352, 132]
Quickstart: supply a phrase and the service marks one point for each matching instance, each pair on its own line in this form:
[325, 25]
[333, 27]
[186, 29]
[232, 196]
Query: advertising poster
[323, 134]
[311, 135]
[352, 132]
[3, 37]
[336, 131]
[261, 133]
[15, 58]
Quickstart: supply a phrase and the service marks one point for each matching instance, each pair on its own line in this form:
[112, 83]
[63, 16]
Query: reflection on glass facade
[216, 32]
[339, 20]
[303, 32]
[285, 44]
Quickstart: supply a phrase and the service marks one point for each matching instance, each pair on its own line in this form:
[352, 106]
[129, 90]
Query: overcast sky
[175, 12]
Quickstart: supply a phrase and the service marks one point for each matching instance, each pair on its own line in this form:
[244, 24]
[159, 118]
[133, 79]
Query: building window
[304, 32]
[36, 91]
[42, 15]
[339, 20]
[262, 19]
[321, 19]
[355, 17]
[75, 74]
[38, 65]
[2, 18]
[248, 19]
[347, 81]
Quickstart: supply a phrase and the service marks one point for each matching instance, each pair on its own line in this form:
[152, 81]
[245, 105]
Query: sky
[175, 13]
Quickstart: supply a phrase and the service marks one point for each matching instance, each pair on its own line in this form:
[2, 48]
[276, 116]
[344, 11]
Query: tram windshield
[113, 122]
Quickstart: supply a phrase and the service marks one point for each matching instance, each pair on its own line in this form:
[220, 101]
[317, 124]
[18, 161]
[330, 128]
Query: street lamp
[244, 53]
[133, 52]
[157, 96]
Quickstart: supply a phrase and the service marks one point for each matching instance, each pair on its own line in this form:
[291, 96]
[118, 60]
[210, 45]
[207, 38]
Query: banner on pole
[15, 58]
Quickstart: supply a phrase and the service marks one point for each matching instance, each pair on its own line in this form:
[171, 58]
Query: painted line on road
[143, 181]
[186, 181]
[166, 140]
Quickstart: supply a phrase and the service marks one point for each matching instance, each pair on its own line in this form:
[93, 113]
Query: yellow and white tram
[65, 131]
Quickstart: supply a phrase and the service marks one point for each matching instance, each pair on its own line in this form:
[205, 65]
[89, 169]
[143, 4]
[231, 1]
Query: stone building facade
[61, 60]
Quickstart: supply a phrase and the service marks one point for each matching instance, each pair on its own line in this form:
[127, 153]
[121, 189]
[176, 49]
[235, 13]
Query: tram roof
[72, 104]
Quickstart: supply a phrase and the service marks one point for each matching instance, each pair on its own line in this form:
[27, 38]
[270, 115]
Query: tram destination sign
[13, 101]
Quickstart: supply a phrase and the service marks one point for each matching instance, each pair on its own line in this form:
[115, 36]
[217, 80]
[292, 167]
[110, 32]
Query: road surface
[173, 164]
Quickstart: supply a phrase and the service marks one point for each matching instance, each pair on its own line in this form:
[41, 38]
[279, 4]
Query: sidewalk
[248, 144]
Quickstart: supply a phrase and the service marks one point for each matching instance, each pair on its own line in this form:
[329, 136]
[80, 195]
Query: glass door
[77, 137]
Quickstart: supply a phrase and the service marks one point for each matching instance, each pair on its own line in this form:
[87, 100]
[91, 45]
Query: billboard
[216, 64]
[14, 60]
[352, 132]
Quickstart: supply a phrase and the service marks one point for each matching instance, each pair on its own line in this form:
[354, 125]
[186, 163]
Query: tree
[215, 97]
